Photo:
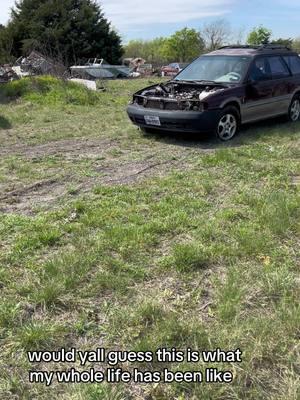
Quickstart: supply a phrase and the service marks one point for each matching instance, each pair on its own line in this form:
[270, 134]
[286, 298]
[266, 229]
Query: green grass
[202, 253]
[46, 90]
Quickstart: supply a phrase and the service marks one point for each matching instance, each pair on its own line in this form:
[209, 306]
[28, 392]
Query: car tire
[228, 124]
[294, 109]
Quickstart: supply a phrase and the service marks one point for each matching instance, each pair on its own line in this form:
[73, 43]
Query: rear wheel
[294, 110]
[228, 124]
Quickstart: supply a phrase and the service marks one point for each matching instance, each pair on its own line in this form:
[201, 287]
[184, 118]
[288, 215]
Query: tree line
[71, 31]
[187, 44]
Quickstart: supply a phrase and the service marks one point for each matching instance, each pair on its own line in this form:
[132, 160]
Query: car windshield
[227, 69]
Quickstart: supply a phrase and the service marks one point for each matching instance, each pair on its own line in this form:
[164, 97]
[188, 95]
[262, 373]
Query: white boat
[98, 68]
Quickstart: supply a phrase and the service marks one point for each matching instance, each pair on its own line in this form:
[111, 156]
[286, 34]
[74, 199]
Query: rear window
[294, 63]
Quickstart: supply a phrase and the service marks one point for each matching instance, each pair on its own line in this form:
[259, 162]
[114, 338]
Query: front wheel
[228, 124]
[294, 110]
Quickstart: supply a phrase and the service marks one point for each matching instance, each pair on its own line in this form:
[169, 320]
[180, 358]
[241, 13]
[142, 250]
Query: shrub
[49, 91]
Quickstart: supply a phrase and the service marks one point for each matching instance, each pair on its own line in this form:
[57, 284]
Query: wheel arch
[233, 103]
[296, 93]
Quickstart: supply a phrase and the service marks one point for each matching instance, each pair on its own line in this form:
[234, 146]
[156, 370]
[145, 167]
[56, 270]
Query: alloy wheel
[295, 110]
[227, 126]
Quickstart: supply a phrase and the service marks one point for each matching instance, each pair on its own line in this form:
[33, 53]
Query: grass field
[113, 238]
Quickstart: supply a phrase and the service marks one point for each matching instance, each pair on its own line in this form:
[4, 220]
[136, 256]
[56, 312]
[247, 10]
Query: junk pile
[35, 64]
[7, 74]
[38, 64]
[138, 67]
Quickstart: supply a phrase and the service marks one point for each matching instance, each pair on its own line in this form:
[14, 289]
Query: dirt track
[124, 167]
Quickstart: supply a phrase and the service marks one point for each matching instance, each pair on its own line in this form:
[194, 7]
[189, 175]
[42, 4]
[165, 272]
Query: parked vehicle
[172, 69]
[222, 90]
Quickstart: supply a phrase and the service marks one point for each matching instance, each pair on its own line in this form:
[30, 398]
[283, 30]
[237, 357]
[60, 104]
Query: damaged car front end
[175, 106]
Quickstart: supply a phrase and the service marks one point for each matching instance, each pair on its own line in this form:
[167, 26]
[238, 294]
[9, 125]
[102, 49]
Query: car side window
[278, 68]
[294, 64]
[260, 70]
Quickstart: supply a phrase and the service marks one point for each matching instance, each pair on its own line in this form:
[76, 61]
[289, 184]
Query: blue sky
[151, 18]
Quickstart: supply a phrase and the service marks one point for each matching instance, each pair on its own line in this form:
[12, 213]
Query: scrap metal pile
[35, 64]
[139, 68]
[38, 64]
[7, 74]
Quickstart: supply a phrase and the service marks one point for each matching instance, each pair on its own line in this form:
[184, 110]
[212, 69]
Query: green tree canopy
[184, 45]
[284, 42]
[296, 45]
[150, 50]
[70, 30]
[259, 35]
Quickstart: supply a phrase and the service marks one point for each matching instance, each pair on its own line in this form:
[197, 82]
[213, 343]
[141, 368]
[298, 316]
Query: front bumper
[177, 121]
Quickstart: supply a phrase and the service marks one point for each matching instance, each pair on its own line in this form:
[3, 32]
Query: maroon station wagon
[221, 90]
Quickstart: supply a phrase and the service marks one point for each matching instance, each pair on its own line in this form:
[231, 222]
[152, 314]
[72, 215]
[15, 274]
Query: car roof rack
[274, 46]
[238, 46]
[267, 46]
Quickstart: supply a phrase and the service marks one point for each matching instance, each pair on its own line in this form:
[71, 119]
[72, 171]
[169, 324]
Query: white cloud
[134, 14]
[5, 6]
[130, 14]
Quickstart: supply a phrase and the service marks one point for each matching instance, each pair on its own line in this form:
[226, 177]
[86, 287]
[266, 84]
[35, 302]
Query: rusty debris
[38, 64]
[7, 74]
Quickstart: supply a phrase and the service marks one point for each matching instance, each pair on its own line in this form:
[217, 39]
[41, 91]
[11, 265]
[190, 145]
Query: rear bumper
[177, 121]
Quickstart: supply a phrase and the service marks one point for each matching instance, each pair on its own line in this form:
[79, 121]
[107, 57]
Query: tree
[259, 35]
[284, 42]
[150, 50]
[6, 44]
[154, 50]
[70, 30]
[183, 45]
[216, 34]
[296, 45]
[134, 49]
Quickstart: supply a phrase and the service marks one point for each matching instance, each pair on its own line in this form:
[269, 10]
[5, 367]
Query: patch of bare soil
[67, 148]
[25, 199]
[155, 160]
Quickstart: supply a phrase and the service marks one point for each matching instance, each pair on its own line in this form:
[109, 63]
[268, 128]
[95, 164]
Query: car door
[258, 92]
[293, 63]
[281, 77]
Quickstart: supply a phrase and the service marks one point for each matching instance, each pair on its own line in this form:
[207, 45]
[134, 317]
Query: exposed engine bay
[177, 95]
